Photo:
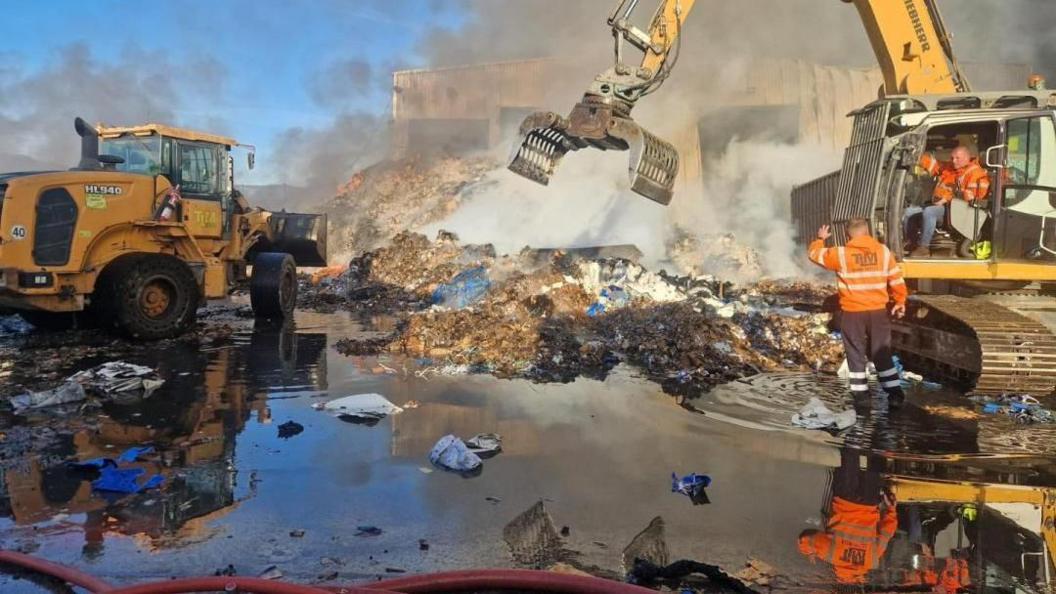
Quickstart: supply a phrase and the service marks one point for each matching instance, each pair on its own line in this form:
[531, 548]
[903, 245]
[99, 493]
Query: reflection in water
[192, 422]
[890, 529]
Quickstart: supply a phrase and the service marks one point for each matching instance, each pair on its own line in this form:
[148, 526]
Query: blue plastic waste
[991, 408]
[126, 457]
[464, 290]
[125, 480]
[691, 484]
[596, 309]
[14, 324]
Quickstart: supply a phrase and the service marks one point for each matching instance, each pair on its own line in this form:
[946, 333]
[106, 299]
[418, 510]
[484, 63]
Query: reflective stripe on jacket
[867, 274]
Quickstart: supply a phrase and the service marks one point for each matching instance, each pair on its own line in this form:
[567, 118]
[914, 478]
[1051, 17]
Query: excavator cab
[602, 119]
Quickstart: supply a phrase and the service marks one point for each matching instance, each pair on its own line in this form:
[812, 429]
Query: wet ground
[972, 491]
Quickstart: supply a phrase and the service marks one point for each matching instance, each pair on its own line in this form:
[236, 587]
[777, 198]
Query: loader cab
[199, 163]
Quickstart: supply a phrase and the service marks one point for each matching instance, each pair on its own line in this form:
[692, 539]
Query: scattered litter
[289, 429]
[226, 572]
[692, 486]
[485, 445]
[118, 376]
[451, 453]
[565, 531]
[491, 499]
[468, 287]
[14, 325]
[411, 404]
[368, 531]
[297, 533]
[367, 408]
[815, 415]
[395, 570]
[271, 573]
[1021, 408]
[646, 573]
[68, 392]
[423, 545]
[758, 573]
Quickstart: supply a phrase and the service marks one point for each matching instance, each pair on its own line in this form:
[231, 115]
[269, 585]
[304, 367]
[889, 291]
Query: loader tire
[273, 286]
[149, 297]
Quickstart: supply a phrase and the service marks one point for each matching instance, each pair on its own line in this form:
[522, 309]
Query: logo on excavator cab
[918, 26]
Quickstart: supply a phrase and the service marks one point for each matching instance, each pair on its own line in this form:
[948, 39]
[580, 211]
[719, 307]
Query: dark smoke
[39, 108]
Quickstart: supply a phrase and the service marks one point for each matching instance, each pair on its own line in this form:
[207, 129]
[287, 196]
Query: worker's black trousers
[867, 337]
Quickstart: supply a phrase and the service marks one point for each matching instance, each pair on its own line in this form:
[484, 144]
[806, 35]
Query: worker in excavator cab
[861, 520]
[868, 278]
[962, 177]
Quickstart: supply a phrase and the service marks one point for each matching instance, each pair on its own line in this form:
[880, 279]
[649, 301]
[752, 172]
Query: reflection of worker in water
[861, 521]
[868, 277]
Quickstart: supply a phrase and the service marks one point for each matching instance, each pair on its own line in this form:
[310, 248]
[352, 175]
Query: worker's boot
[921, 251]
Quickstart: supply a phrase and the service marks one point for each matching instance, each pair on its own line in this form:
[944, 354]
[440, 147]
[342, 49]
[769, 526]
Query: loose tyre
[273, 286]
[149, 296]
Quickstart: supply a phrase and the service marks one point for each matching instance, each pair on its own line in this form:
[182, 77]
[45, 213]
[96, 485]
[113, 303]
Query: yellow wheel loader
[145, 228]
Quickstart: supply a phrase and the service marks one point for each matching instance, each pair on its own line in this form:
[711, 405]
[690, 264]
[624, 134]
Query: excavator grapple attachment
[541, 148]
[546, 137]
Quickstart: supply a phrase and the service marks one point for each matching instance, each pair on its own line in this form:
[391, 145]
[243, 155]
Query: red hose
[505, 579]
[66, 574]
[452, 581]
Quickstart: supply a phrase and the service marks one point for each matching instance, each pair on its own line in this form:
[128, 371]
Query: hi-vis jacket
[970, 182]
[866, 273]
[854, 539]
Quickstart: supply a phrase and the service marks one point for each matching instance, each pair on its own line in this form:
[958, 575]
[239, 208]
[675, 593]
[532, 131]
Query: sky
[248, 69]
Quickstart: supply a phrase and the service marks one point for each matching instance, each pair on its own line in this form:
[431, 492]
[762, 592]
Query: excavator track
[977, 345]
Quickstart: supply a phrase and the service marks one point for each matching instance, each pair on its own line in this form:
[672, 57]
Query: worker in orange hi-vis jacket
[868, 278]
[963, 177]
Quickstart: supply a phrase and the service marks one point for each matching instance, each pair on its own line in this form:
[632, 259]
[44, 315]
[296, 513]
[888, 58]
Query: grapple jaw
[546, 137]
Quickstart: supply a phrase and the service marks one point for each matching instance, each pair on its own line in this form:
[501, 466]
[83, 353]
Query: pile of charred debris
[553, 315]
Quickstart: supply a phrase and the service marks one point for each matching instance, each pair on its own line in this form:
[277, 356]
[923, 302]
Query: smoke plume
[37, 110]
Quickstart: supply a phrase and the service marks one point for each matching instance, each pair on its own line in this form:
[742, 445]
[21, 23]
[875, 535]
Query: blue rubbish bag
[125, 480]
[468, 287]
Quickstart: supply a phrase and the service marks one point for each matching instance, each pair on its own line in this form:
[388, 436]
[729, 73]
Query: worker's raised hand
[823, 232]
[898, 310]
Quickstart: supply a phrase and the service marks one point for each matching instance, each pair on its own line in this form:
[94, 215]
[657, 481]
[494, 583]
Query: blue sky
[268, 51]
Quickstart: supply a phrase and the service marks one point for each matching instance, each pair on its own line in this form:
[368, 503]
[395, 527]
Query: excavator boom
[912, 46]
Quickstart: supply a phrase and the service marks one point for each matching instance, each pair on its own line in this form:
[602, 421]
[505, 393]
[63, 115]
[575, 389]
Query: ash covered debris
[384, 199]
[566, 315]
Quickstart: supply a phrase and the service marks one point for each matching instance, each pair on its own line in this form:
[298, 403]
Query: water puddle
[342, 502]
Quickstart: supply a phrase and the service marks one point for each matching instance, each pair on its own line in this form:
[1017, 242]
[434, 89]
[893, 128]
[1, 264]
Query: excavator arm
[908, 37]
[912, 46]
[602, 118]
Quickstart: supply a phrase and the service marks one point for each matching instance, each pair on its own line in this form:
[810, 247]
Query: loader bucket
[303, 236]
[546, 137]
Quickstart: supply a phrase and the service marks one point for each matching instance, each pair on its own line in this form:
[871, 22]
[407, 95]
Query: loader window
[142, 154]
[198, 170]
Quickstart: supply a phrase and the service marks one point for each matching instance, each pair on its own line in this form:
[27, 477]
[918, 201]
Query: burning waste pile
[392, 196]
[553, 315]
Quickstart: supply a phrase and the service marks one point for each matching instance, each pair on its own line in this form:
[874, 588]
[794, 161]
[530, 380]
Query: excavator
[982, 313]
